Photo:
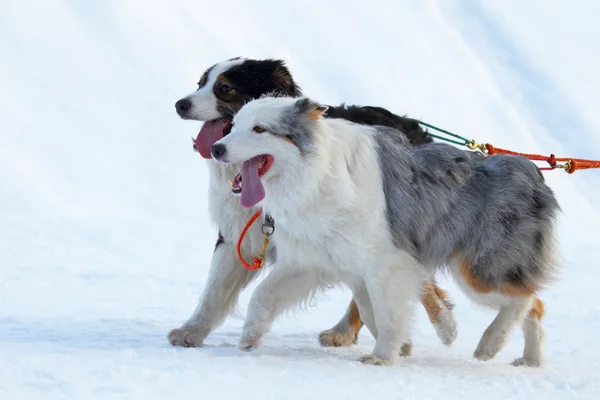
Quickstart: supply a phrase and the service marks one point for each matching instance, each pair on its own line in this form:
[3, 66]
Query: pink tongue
[252, 189]
[210, 133]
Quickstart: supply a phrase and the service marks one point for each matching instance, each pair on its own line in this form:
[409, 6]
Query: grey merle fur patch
[496, 212]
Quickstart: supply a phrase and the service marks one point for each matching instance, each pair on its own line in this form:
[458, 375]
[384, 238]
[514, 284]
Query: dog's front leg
[227, 278]
[391, 288]
[282, 289]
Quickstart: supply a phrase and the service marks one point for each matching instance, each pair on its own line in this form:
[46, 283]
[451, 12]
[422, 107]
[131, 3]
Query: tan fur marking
[315, 114]
[431, 302]
[467, 273]
[443, 296]
[354, 318]
[223, 80]
[289, 139]
[522, 290]
[517, 290]
[202, 81]
[406, 350]
[537, 310]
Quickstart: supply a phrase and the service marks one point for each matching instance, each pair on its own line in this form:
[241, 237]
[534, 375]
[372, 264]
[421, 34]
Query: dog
[357, 205]
[222, 90]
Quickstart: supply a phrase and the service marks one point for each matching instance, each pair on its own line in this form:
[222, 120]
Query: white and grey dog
[222, 90]
[358, 205]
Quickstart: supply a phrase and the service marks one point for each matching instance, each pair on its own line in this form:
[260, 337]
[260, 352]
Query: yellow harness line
[268, 227]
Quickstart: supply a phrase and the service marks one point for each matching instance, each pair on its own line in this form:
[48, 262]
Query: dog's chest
[316, 244]
[227, 213]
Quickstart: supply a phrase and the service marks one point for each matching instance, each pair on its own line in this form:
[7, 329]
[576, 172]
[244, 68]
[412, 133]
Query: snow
[105, 240]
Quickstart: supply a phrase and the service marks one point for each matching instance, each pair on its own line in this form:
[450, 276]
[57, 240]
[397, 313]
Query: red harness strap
[570, 164]
[267, 229]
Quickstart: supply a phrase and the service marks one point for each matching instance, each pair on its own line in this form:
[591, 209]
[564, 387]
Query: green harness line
[464, 142]
[570, 165]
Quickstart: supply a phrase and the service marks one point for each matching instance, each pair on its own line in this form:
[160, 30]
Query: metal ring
[268, 224]
[268, 232]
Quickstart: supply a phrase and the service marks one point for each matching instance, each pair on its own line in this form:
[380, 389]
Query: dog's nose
[182, 106]
[218, 151]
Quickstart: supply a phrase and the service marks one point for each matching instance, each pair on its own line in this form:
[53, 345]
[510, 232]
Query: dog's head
[268, 135]
[225, 87]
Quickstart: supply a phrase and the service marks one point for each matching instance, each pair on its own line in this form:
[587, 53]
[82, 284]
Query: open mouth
[247, 182]
[210, 133]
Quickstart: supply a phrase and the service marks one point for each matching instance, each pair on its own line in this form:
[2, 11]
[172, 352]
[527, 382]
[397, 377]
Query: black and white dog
[358, 205]
[222, 91]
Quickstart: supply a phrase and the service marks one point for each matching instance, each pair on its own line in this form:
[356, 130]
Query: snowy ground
[104, 235]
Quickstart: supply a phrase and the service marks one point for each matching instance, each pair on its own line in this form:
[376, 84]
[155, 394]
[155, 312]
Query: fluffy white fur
[329, 207]
[227, 276]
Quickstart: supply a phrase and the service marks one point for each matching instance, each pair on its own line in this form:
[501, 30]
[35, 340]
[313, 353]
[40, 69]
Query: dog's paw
[371, 359]
[185, 337]
[527, 362]
[406, 350]
[446, 328]
[335, 338]
[485, 353]
[249, 344]
[490, 344]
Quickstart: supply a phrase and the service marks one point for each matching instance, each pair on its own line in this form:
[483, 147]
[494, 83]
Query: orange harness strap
[570, 164]
[260, 259]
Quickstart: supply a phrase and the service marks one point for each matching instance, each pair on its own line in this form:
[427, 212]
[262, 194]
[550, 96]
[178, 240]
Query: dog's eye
[225, 88]
[258, 129]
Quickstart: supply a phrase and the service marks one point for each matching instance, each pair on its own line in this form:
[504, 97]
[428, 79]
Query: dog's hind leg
[282, 289]
[495, 336]
[439, 310]
[345, 332]
[534, 336]
[435, 301]
[227, 278]
[512, 300]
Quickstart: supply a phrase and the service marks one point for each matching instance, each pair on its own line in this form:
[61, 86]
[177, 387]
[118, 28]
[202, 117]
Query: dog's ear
[310, 108]
[283, 80]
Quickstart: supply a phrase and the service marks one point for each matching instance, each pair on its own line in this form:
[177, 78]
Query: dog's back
[368, 115]
[495, 213]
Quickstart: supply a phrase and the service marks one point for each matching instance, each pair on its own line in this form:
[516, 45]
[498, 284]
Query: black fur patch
[509, 220]
[428, 178]
[538, 206]
[450, 175]
[203, 78]
[220, 241]
[516, 276]
[368, 115]
[250, 80]
[255, 78]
